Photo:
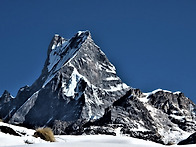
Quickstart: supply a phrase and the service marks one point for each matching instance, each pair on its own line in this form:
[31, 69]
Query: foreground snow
[71, 141]
[86, 141]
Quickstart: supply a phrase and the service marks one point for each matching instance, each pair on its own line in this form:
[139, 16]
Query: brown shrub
[45, 134]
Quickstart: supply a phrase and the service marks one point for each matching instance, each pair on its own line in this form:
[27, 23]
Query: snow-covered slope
[26, 136]
[26, 139]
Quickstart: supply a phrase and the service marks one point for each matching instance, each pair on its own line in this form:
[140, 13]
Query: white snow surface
[69, 88]
[10, 140]
[112, 78]
[117, 87]
[85, 141]
[73, 141]
[144, 99]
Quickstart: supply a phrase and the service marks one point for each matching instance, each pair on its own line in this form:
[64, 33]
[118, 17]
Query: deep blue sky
[152, 43]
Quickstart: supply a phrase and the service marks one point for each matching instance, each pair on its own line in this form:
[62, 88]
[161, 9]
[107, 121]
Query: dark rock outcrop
[8, 130]
[190, 140]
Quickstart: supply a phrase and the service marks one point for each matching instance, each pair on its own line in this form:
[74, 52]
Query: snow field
[72, 141]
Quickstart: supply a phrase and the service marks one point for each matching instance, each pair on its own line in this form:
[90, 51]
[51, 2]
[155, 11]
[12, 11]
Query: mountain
[77, 82]
[79, 92]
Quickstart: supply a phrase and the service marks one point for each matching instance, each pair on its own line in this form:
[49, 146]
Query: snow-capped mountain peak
[61, 50]
[77, 79]
[79, 92]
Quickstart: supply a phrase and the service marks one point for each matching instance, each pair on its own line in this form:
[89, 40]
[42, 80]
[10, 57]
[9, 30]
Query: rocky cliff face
[77, 82]
[173, 114]
[5, 98]
[190, 140]
[141, 115]
[79, 92]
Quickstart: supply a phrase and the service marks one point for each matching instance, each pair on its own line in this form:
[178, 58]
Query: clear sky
[152, 43]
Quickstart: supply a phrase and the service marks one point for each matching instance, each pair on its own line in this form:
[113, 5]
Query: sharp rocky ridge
[79, 92]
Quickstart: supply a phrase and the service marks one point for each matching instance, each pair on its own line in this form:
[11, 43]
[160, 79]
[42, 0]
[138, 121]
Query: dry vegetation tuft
[45, 134]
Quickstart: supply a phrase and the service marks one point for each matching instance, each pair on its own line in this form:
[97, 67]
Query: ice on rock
[62, 52]
[55, 54]
[80, 32]
[69, 88]
[112, 78]
[117, 87]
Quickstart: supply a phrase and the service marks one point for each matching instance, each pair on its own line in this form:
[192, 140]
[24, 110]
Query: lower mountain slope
[136, 115]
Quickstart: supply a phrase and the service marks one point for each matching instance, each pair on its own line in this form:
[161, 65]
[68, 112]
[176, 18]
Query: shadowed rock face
[180, 109]
[190, 140]
[5, 98]
[79, 92]
[135, 115]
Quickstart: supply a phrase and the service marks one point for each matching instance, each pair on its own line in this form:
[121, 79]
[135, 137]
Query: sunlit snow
[69, 88]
